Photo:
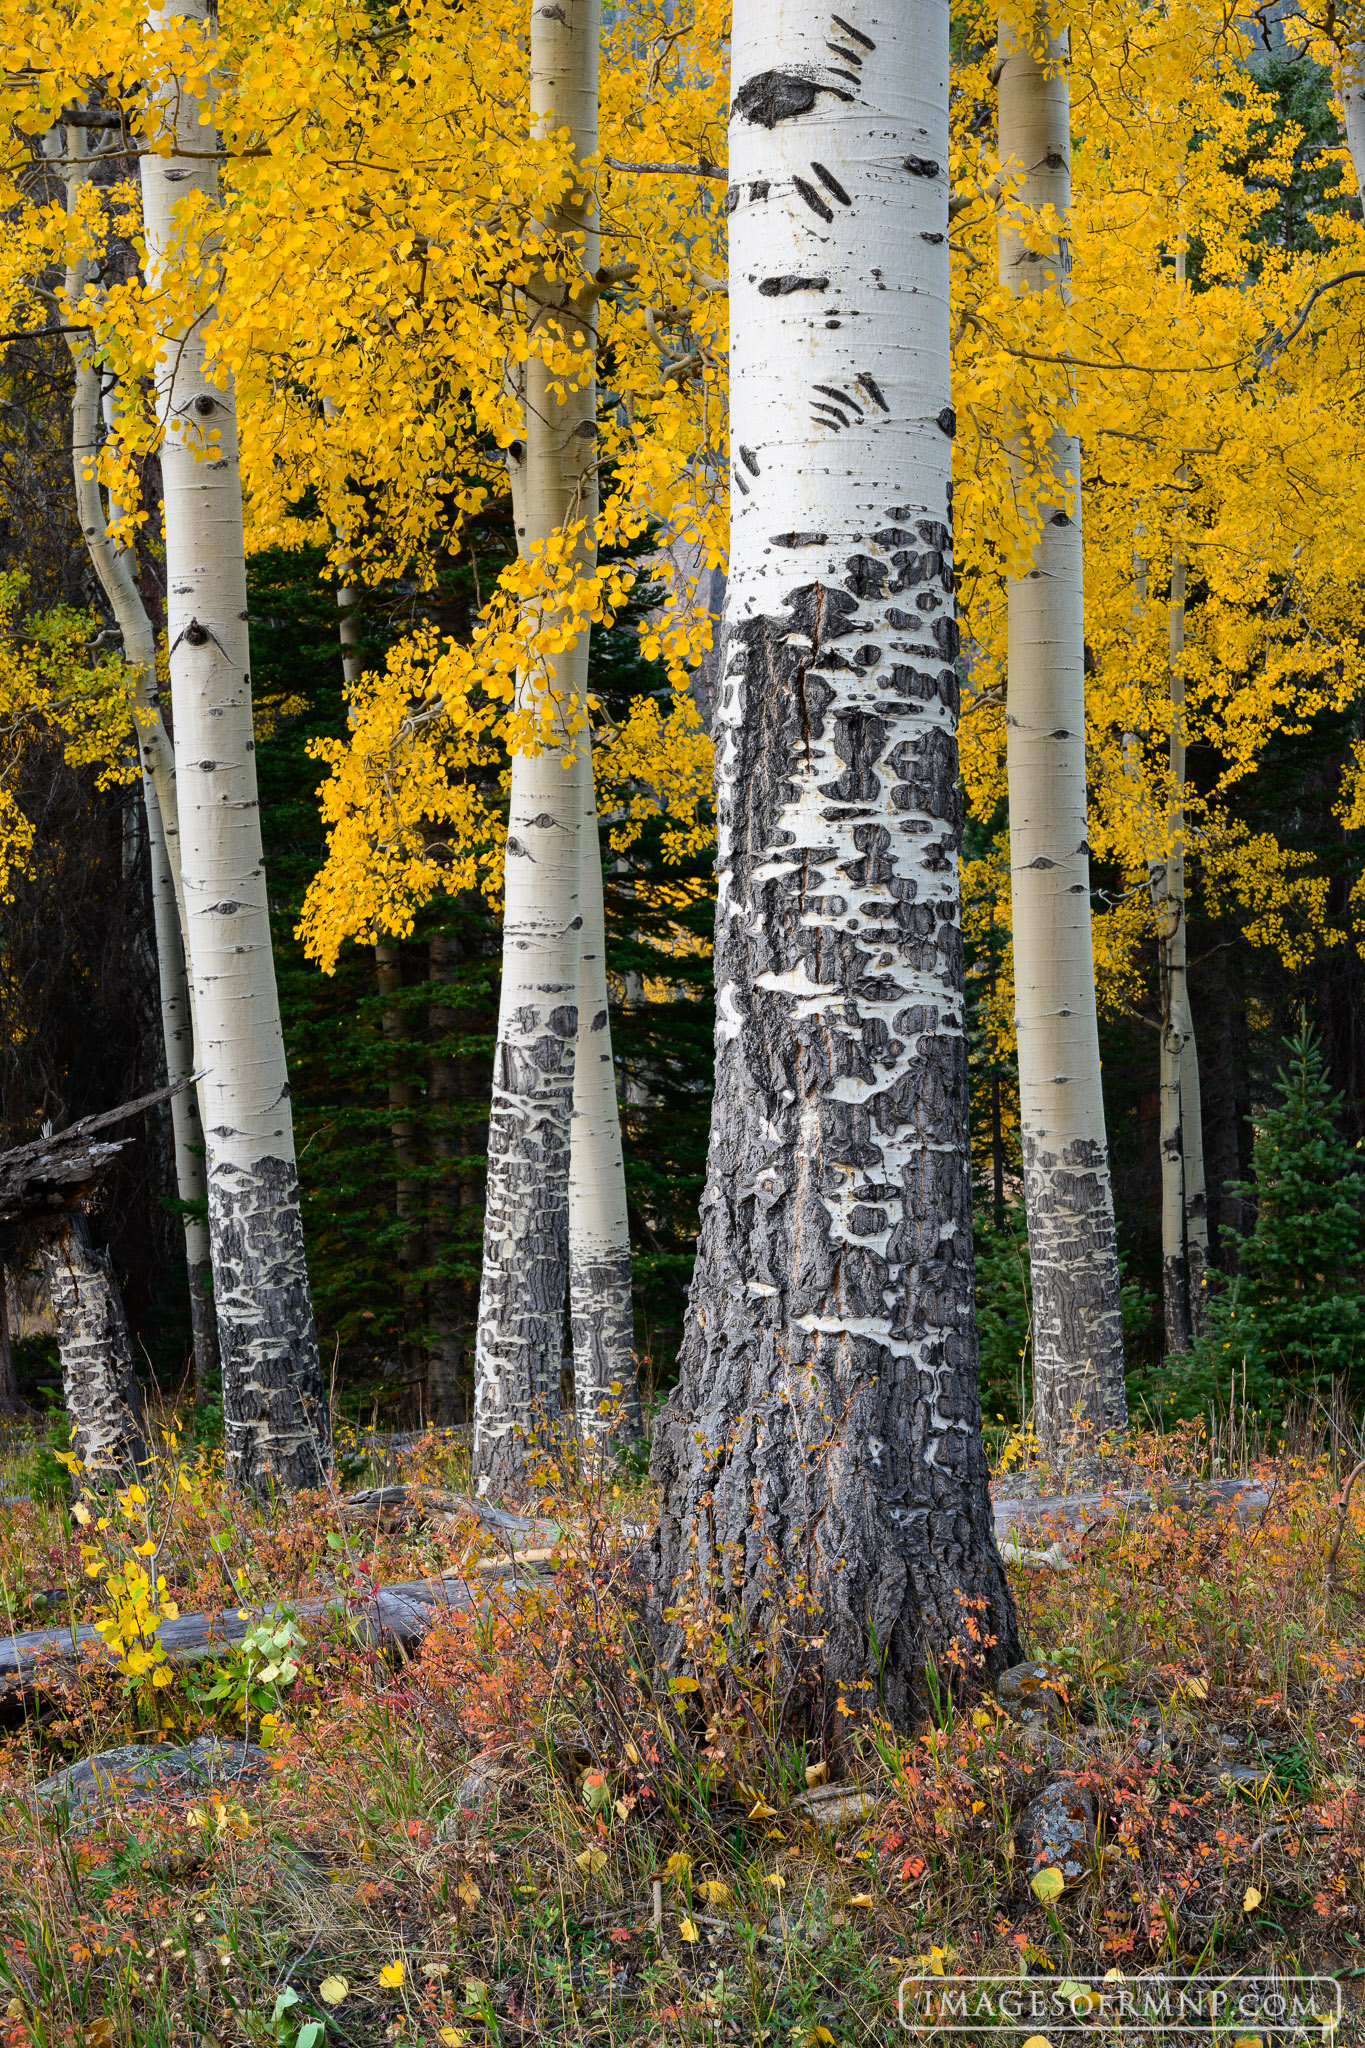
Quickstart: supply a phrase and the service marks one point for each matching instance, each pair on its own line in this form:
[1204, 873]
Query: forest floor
[510, 1832]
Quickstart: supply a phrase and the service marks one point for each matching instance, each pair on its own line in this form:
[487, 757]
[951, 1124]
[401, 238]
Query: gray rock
[149, 1772]
[1255, 1777]
[1033, 1692]
[1057, 1831]
[475, 1795]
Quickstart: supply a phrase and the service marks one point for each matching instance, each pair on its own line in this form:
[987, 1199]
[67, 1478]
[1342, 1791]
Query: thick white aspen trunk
[274, 1413]
[116, 569]
[825, 1430]
[532, 1123]
[606, 1393]
[99, 1382]
[1078, 1330]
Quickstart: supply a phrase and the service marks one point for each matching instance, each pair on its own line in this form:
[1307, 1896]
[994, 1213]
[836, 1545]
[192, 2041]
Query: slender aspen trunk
[10, 1404]
[824, 1438]
[606, 1393]
[1078, 1329]
[1174, 1283]
[1167, 881]
[116, 569]
[403, 1133]
[1196, 1192]
[526, 1230]
[274, 1412]
[99, 1383]
[451, 1081]
[404, 1139]
[1184, 1208]
[1352, 80]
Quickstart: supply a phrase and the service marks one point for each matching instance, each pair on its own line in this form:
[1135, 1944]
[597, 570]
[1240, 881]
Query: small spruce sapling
[1293, 1312]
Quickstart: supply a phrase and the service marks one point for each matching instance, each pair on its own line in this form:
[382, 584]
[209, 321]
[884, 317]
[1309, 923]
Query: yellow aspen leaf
[1047, 1885]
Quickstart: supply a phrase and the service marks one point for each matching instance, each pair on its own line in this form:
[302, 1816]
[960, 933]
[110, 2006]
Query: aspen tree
[526, 1231]
[115, 567]
[825, 1430]
[1184, 1218]
[606, 1393]
[1078, 1331]
[274, 1415]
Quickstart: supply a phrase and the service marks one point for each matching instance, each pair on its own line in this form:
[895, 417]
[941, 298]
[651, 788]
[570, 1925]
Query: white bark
[526, 1253]
[1353, 104]
[825, 1429]
[1078, 1331]
[99, 1383]
[116, 569]
[274, 1414]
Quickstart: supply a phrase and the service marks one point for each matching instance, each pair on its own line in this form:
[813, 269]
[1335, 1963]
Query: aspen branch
[1276, 343]
[45, 333]
[701, 170]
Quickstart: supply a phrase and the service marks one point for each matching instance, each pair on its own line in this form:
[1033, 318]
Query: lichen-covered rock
[146, 1772]
[1033, 1691]
[1057, 1831]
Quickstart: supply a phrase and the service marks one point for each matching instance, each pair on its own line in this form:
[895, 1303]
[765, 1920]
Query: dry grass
[609, 1871]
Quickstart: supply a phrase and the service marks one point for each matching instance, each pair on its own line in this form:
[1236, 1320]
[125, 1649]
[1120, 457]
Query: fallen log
[397, 1615]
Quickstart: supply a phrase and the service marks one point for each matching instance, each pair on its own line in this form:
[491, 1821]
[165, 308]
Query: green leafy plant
[249, 1681]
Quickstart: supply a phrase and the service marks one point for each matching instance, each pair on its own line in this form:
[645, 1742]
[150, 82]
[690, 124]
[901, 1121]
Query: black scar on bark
[946, 635]
[813, 199]
[947, 419]
[831, 184]
[921, 166]
[774, 96]
[783, 287]
[866, 576]
[799, 540]
[856, 33]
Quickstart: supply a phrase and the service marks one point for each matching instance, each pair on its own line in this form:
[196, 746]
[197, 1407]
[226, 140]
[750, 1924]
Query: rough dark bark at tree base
[274, 1412]
[99, 1381]
[603, 1330]
[825, 1431]
[1077, 1312]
